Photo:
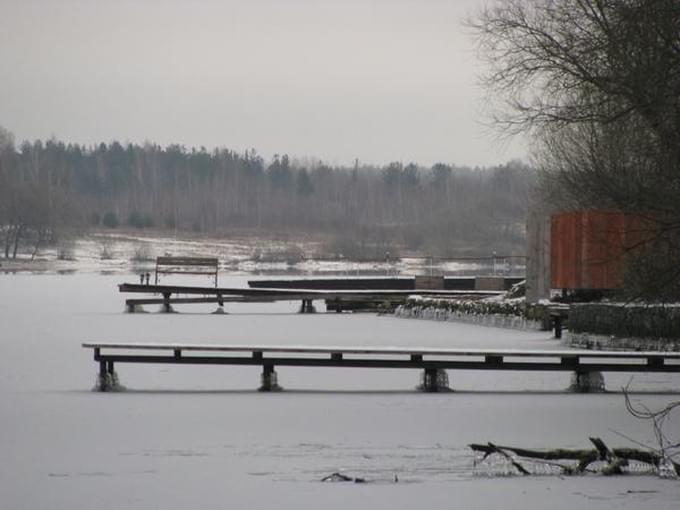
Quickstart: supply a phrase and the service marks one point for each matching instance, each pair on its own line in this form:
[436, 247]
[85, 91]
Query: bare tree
[597, 84]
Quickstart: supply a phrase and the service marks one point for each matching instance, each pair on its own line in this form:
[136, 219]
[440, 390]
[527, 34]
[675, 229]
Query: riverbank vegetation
[50, 187]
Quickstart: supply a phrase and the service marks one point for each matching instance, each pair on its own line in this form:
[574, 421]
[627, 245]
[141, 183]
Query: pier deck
[220, 295]
[583, 363]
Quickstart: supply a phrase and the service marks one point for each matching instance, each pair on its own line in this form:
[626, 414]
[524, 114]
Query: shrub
[110, 220]
[139, 220]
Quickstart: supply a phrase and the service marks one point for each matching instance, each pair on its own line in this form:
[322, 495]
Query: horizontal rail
[496, 353]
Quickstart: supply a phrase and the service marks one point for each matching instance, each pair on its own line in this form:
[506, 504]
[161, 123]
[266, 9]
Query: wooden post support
[167, 307]
[434, 380]
[586, 381]
[269, 381]
[107, 379]
[307, 306]
[102, 378]
[220, 302]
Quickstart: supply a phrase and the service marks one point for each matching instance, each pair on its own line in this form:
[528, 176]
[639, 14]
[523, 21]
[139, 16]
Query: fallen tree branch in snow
[615, 458]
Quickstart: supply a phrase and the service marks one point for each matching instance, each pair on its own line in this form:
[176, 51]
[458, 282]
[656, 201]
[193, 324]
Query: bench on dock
[586, 365]
[187, 265]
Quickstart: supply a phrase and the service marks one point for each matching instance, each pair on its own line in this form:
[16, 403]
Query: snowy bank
[511, 313]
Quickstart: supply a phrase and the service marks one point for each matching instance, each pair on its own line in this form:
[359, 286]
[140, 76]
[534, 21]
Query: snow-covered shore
[496, 320]
[134, 251]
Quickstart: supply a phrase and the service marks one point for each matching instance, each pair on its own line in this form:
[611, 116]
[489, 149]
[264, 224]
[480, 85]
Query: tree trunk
[17, 238]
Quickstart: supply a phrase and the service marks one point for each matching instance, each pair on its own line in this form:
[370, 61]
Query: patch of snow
[185, 434]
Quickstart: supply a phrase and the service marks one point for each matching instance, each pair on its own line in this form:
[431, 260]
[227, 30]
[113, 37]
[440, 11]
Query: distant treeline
[50, 186]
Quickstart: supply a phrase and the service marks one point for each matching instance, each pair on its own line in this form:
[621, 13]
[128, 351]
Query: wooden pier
[170, 294]
[411, 283]
[586, 366]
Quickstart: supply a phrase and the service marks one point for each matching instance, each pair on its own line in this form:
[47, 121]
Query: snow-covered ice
[203, 437]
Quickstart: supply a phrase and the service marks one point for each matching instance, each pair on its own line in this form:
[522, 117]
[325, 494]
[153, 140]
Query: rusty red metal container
[589, 248]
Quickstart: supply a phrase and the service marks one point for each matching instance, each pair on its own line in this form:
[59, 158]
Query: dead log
[614, 463]
[583, 457]
[516, 464]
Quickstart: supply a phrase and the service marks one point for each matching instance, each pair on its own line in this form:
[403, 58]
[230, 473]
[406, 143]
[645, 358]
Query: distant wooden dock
[586, 365]
[171, 294]
[466, 283]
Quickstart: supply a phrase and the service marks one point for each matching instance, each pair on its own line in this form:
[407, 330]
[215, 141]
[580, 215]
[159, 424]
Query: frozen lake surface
[203, 437]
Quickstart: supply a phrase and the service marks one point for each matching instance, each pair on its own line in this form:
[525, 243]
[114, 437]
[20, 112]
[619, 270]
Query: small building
[580, 250]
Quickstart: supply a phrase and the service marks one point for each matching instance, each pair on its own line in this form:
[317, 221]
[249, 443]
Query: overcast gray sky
[378, 80]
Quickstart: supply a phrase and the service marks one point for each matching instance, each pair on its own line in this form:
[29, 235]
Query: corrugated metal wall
[588, 248]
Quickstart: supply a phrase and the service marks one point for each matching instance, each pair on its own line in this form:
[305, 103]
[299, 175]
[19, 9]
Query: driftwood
[516, 464]
[339, 477]
[615, 458]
